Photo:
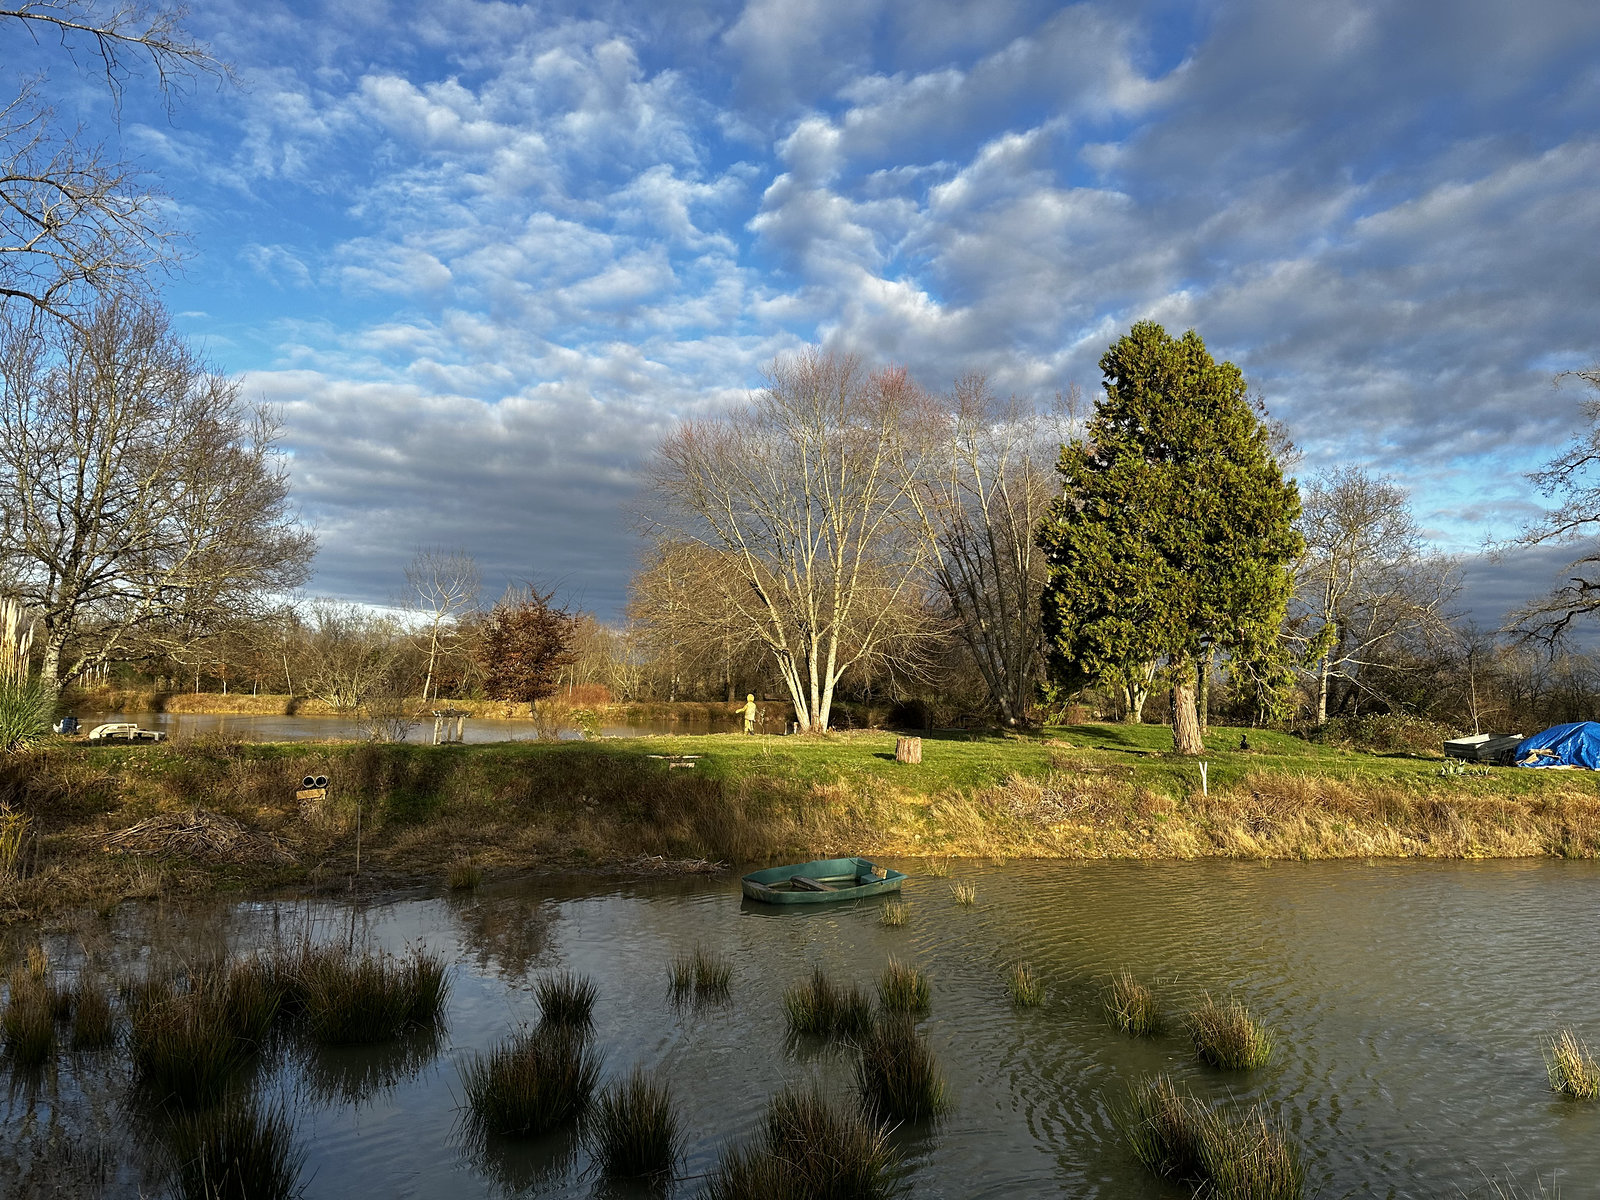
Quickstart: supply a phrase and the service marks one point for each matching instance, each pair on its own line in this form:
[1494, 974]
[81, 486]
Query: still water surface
[256, 728]
[1408, 999]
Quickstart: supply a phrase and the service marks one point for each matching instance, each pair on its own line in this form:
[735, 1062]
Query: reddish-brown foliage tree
[525, 645]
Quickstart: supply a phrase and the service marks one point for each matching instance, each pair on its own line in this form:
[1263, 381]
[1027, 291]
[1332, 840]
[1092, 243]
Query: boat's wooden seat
[803, 883]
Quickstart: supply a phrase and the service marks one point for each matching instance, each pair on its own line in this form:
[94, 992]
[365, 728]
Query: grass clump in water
[634, 1131]
[28, 1025]
[808, 1150]
[1227, 1036]
[234, 1152]
[93, 1021]
[1572, 1069]
[345, 998]
[539, 1079]
[567, 1000]
[896, 1073]
[701, 974]
[1024, 987]
[1130, 1006]
[185, 1049]
[894, 914]
[904, 989]
[824, 1009]
[966, 894]
[463, 876]
[1179, 1137]
[939, 868]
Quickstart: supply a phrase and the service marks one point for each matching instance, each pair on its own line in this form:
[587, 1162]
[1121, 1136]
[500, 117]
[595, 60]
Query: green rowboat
[821, 882]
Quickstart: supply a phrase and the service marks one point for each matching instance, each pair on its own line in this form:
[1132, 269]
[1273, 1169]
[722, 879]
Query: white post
[1204, 789]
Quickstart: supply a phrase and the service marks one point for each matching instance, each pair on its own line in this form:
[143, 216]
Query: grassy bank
[1075, 792]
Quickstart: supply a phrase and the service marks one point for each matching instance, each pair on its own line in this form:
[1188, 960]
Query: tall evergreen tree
[1174, 534]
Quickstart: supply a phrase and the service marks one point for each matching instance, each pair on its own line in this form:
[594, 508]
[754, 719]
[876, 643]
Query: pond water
[1408, 1000]
[253, 728]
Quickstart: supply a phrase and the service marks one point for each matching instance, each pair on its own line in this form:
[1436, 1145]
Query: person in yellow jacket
[749, 713]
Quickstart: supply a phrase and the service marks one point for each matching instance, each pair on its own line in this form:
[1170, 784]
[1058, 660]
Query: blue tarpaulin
[1576, 745]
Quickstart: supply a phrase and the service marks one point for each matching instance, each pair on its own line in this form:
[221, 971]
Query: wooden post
[908, 750]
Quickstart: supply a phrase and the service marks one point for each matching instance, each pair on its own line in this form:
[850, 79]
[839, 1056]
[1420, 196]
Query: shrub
[634, 1131]
[1024, 986]
[1226, 1036]
[904, 989]
[537, 1080]
[1130, 1006]
[896, 1073]
[26, 710]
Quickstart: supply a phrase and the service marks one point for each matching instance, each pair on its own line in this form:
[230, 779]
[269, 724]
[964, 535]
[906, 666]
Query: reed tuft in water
[896, 1074]
[567, 1000]
[532, 1083]
[28, 1025]
[185, 1049]
[1130, 1006]
[1227, 1036]
[808, 1150]
[966, 894]
[236, 1151]
[702, 974]
[1179, 1137]
[824, 1009]
[1024, 987]
[894, 913]
[939, 868]
[94, 1023]
[904, 989]
[634, 1131]
[347, 998]
[1572, 1069]
[463, 876]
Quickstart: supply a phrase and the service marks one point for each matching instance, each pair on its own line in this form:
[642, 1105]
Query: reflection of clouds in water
[508, 935]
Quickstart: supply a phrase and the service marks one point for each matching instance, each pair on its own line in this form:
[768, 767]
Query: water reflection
[1408, 1000]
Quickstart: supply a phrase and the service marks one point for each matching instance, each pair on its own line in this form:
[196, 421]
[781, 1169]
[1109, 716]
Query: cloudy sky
[483, 254]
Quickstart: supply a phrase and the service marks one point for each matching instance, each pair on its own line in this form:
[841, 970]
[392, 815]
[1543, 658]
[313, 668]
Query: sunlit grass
[1227, 1036]
[894, 913]
[1130, 1006]
[1181, 1138]
[1572, 1069]
[904, 989]
[1024, 987]
[808, 1150]
[966, 894]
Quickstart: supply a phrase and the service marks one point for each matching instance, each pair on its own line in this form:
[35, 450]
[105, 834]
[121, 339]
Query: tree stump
[908, 750]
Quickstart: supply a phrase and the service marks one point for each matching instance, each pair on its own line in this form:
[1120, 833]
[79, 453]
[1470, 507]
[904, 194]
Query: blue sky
[482, 255]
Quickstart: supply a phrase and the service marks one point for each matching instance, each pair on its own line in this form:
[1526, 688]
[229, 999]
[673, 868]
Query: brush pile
[203, 836]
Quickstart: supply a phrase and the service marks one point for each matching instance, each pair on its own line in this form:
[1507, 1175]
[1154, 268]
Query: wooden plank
[806, 884]
[311, 794]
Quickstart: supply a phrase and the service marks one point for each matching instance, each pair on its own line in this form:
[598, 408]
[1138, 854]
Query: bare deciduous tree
[138, 491]
[1569, 480]
[76, 224]
[352, 654]
[806, 490]
[444, 585]
[987, 484]
[1364, 583]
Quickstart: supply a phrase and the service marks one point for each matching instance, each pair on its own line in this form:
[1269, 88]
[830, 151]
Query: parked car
[124, 731]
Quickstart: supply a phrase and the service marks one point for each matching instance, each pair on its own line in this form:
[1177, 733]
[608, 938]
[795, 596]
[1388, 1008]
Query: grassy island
[118, 822]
